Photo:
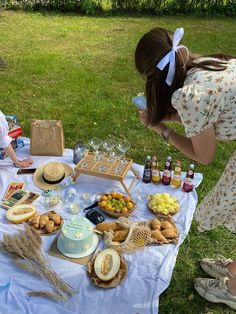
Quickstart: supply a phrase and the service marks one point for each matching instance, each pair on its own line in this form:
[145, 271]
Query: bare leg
[232, 268]
[231, 283]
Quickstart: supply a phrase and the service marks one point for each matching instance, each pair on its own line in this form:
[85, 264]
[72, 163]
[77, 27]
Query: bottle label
[167, 164]
[147, 175]
[177, 169]
[190, 172]
[166, 173]
[156, 176]
[188, 185]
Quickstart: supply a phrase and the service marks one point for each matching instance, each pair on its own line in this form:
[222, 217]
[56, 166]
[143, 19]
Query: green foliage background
[154, 7]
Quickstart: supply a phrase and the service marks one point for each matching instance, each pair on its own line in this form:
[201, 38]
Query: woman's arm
[201, 147]
[21, 164]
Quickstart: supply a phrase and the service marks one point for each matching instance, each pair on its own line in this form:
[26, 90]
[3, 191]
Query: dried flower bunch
[25, 248]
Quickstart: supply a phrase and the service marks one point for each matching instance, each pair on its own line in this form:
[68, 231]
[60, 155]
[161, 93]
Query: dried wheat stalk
[45, 294]
[25, 248]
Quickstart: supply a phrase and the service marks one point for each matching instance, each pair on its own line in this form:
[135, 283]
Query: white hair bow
[169, 58]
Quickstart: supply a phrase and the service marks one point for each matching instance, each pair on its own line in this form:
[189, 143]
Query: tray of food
[116, 204]
[163, 203]
[47, 223]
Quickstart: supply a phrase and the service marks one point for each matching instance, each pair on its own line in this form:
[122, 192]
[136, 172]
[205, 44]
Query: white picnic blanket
[149, 270]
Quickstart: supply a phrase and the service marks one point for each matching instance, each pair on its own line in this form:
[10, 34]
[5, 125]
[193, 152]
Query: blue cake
[77, 235]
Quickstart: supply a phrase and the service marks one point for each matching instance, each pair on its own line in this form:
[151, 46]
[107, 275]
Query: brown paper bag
[46, 138]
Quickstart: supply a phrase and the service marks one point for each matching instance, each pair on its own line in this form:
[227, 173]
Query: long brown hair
[151, 48]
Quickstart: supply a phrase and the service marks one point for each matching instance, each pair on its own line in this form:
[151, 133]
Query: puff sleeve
[5, 140]
[198, 107]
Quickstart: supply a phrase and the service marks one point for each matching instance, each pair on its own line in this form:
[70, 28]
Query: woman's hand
[25, 163]
[159, 128]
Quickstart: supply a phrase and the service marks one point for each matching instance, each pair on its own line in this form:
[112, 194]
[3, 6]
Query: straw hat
[48, 176]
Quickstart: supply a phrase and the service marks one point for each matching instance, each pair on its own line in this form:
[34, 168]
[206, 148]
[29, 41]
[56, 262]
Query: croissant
[120, 235]
[49, 227]
[35, 221]
[166, 224]
[156, 234]
[155, 224]
[169, 233]
[106, 226]
[54, 217]
[43, 220]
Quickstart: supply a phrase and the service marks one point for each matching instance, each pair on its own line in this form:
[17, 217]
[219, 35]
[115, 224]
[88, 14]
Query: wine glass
[95, 143]
[108, 145]
[123, 146]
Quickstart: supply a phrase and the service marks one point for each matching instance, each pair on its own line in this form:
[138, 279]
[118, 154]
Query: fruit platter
[163, 203]
[116, 204]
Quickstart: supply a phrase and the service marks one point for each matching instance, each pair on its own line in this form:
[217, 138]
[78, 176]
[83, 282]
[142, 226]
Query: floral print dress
[208, 98]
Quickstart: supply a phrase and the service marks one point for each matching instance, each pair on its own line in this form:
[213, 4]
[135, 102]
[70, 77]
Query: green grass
[81, 70]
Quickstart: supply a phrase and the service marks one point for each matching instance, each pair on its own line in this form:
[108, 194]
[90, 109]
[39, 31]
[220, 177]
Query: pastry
[169, 233]
[35, 221]
[166, 224]
[107, 226]
[120, 235]
[55, 218]
[155, 224]
[157, 235]
[43, 220]
[49, 227]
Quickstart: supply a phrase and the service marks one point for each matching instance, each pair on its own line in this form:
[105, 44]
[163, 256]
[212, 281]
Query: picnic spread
[117, 256]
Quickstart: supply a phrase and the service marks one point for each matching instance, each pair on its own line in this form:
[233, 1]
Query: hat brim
[38, 177]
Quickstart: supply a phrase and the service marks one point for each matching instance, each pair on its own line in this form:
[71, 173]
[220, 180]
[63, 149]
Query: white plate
[61, 248]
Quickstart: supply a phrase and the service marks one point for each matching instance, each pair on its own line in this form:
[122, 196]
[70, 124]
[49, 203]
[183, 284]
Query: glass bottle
[166, 176]
[79, 151]
[156, 174]
[176, 179]
[188, 181]
[147, 172]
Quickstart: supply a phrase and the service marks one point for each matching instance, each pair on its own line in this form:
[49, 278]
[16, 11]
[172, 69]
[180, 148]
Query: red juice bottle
[188, 181]
[166, 176]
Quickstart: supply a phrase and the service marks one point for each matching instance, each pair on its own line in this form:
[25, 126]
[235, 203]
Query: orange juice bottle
[156, 175]
[176, 179]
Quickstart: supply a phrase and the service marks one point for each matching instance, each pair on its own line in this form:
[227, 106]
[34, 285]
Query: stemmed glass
[95, 143]
[108, 145]
[123, 146]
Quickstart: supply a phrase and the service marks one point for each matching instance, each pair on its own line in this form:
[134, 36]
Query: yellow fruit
[113, 194]
[103, 203]
[109, 197]
[129, 205]
[127, 199]
[119, 195]
[108, 207]
[104, 198]
[124, 210]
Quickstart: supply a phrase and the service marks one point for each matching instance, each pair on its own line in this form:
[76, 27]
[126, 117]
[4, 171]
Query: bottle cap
[148, 157]
[169, 158]
[191, 166]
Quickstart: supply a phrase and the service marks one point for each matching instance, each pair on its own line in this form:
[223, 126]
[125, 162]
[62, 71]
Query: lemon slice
[20, 213]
